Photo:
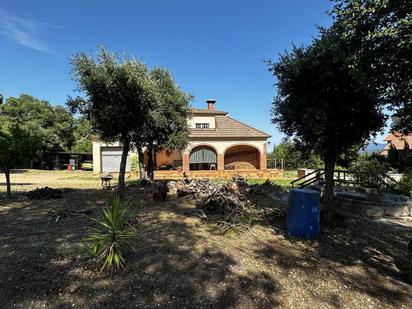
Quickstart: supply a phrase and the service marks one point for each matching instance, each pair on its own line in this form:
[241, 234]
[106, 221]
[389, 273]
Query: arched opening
[242, 157]
[203, 158]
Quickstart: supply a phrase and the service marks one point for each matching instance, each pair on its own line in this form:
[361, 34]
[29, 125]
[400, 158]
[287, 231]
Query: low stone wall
[374, 209]
[225, 174]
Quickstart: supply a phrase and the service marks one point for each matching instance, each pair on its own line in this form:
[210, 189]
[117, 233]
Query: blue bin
[303, 213]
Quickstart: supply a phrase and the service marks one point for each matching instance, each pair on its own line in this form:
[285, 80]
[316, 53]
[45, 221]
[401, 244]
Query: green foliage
[377, 34]
[370, 172]
[53, 124]
[134, 163]
[322, 105]
[293, 157]
[166, 121]
[17, 145]
[119, 95]
[405, 184]
[107, 242]
[402, 118]
[82, 136]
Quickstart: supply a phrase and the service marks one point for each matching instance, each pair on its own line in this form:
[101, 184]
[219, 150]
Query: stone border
[374, 208]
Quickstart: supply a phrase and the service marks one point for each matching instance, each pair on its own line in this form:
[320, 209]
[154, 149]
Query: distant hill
[374, 147]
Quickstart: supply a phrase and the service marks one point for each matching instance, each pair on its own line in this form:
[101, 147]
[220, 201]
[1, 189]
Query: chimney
[211, 104]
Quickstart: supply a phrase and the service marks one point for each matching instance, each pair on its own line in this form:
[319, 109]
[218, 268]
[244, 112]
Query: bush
[370, 172]
[107, 242]
[134, 163]
[404, 186]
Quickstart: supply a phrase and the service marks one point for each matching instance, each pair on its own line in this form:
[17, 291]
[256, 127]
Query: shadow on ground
[366, 257]
[180, 263]
[42, 261]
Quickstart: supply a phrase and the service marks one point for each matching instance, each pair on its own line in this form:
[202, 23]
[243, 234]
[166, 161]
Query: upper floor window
[202, 126]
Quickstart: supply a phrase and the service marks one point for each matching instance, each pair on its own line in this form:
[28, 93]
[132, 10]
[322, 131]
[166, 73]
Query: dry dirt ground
[180, 262]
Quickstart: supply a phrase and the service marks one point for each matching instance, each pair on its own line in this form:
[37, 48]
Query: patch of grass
[290, 174]
[285, 183]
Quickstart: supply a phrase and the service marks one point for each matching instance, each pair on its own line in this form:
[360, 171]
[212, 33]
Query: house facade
[217, 142]
[397, 143]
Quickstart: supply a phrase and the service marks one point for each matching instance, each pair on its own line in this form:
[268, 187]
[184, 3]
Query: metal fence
[275, 163]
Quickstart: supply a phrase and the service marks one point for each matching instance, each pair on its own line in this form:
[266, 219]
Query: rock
[234, 186]
[396, 211]
[172, 188]
[372, 211]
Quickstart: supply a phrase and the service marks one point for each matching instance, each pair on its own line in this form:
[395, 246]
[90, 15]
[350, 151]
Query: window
[202, 126]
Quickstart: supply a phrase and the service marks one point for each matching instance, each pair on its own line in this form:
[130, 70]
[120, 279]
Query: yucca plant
[107, 242]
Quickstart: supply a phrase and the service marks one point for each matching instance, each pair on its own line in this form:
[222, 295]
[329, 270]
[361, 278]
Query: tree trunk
[142, 168]
[409, 265]
[8, 184]
[328, 198]
[122, 172]
[150, 162]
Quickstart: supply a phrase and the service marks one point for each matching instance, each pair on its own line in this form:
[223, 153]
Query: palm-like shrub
[107, 242]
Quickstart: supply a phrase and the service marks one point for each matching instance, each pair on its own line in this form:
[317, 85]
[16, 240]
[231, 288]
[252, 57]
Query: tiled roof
[398, 141]
[228, 127]
[398, 144]
[392, 136]
[408, 140]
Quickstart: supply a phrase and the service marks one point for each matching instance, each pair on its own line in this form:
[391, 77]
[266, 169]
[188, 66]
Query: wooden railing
[344, 177]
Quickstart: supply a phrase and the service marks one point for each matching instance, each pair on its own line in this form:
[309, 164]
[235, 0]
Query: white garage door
[111, 157]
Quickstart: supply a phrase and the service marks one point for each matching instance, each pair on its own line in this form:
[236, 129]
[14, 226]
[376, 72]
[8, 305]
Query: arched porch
[203, 157]
[242, 157]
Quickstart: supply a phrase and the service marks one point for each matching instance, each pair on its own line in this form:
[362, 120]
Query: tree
[118, 95]
[82, 136]
[378, 34]
[322, 105]
[53, 124]
[402, 119]
[294, 157]
[166, 123]
[16, 146]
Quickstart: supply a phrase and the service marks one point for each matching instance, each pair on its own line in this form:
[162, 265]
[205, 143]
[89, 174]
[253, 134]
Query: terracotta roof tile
[408, 140]
[398, 144]
[228, 127]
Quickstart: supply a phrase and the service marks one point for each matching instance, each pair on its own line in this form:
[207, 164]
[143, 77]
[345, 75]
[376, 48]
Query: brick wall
[222, 174]
[244, 156]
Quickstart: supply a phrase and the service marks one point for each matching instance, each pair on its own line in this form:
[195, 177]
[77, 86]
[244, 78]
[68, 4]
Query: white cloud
[26, 32]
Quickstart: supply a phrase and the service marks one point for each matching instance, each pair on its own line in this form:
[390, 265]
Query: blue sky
[213, 48]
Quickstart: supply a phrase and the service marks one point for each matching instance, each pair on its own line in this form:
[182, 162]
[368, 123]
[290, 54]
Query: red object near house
[70, 168]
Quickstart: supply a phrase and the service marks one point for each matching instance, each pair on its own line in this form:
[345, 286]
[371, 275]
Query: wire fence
[275, 163]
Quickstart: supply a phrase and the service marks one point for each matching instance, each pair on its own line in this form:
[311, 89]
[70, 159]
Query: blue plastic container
[303, 213]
